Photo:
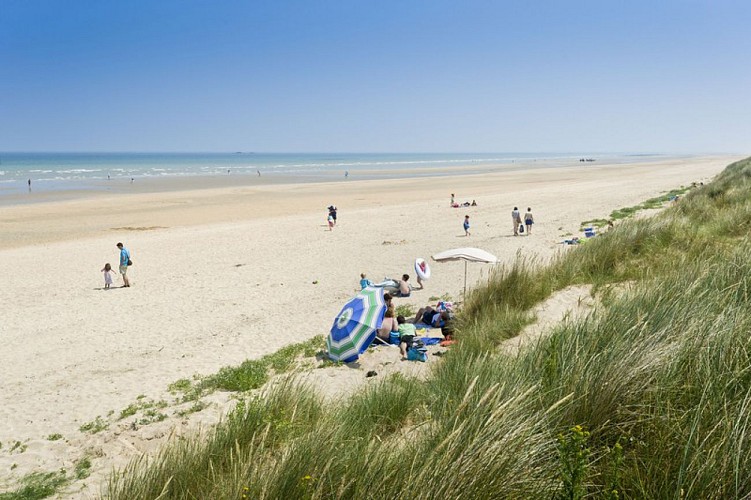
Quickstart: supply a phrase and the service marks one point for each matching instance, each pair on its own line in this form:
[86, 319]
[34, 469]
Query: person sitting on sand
[430, 316]
[388, 325]
[474, 203]
[364, 282]
[407, 334]
[404, 289]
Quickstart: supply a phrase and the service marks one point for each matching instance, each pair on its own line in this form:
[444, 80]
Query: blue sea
[76, 171]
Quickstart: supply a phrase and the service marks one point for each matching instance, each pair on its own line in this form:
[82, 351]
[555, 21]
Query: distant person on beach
[330, 220]
[132, 179]
[516, 219]
[474, 203]
[124, 263]
[466, 226]
[528, 221]
[332, 212]
[452, 199]
[29, 184]
[108, 272]
[346, 174]
[259, 173]
[406, 335]
[404, 289]
[364, 282]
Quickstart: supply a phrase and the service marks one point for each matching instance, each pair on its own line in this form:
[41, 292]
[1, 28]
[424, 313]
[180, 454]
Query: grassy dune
[647, 397]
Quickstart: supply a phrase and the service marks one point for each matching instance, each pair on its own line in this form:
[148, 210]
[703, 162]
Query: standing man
[29, 185]
[516, 219]
[124, 263]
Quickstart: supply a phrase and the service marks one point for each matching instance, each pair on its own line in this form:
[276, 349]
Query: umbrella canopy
[467, 254]
[355, 326]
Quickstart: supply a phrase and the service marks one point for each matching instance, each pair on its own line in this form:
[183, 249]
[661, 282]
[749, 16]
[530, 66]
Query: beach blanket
[430, 340]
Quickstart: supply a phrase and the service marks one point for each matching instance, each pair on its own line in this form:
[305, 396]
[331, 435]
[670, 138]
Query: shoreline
[16, 193]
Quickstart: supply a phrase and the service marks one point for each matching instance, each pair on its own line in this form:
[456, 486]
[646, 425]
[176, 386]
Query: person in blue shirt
[124, 263]
[466, 225]
[364, 282]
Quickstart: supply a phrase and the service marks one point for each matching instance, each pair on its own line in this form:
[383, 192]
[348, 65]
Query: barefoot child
[466, 225]
[107, 275]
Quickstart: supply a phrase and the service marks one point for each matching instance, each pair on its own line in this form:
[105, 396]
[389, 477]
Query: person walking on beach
[332, 212]
[516, 219]
[466, 226]
[330, 220]
[124, 263]
[29, 185]
[108, 272]
[452, 199]
[528, 221]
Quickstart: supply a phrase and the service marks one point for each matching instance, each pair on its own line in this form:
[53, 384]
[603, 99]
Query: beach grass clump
[97, 425]
[250, 374]
[256, 426]
[82, 468]
[37, 485]
[648, 396]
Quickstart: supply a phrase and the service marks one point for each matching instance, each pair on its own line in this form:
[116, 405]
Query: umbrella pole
[465, 281]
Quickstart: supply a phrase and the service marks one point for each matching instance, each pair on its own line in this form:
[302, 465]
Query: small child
[466, 226]
[108, 272]
[331, 222]
[406, 335]
[364, 282]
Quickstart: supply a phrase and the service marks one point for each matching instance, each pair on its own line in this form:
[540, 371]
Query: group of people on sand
[520, 225]
[125, 262]
[397, 326]
[455, 204]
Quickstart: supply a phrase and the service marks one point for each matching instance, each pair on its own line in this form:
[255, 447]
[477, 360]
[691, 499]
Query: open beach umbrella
[355, 326]
[467, 255]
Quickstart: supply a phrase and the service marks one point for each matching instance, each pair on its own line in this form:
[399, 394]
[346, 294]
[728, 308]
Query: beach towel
[430, 340]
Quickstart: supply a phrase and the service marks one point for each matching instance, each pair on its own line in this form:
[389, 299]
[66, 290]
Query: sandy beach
[224, 274]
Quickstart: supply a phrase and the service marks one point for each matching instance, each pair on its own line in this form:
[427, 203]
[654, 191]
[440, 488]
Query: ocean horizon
[60, 171]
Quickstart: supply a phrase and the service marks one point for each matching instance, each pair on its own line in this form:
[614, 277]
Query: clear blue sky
[375, 76]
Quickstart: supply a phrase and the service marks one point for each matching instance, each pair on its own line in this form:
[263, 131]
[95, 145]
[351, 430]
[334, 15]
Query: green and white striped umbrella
[356, 325]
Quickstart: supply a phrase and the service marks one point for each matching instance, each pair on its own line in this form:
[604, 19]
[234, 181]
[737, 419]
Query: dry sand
[221, 275]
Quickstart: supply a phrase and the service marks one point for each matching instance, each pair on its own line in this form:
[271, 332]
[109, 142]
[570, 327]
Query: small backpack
[417, 352]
